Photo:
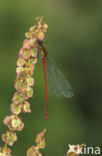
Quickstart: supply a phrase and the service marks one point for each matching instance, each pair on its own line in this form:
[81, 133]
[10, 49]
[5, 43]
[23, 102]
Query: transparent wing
[57, 84]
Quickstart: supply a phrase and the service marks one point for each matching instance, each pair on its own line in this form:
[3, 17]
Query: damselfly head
[43, 49]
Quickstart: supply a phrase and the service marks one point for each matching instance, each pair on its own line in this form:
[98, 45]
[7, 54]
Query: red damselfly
[58, 84]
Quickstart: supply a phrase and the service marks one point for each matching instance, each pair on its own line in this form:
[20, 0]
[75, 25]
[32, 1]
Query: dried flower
[16, 108]
[33, 151]
[20, 62]
[26, 107]
[14, 122]
[40, 141]
[27, 59]
[17, 98]
[5, 151]
[9, 138]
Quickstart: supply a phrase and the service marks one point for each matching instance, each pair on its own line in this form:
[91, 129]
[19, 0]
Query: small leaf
[19, 84]
[6, 120]
[20, 127]
[26, 54]
[20, 62]
[34, 52]
[26, 44]
[30, 81]
[15, 123]
[42, 144]
[28, 34]
[29, 92]
[32, 41]
[9, 138]
[32, 28]
[41, 36]
[40, 136]
[19, 69]
[27, 107]
[16, 108]
[17, 98]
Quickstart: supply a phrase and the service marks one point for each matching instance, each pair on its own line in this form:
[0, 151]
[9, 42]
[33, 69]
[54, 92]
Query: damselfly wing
[57, 83]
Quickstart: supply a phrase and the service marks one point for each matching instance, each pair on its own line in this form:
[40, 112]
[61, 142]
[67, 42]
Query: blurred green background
[74, 40]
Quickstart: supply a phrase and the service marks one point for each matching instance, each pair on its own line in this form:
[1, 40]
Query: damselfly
[58, 84]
